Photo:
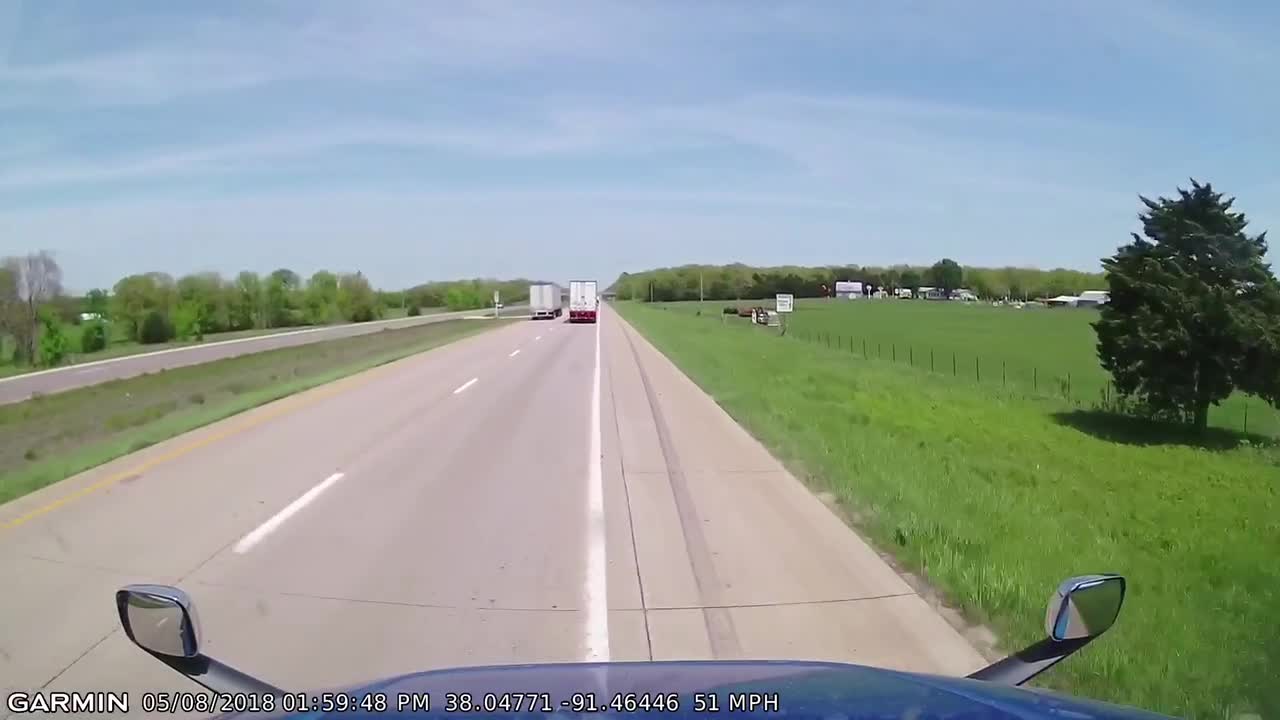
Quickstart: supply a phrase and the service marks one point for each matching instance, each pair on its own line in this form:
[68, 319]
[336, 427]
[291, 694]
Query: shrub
[93, 336]
[155, 328]
[362, 313]
[188, 321]
[54, 344]
[414, 311]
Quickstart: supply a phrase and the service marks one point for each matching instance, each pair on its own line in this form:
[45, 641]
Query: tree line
[155, 307]
[744, 282]
[467, 294]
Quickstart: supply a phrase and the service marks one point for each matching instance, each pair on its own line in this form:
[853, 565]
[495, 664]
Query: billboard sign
[848, 289]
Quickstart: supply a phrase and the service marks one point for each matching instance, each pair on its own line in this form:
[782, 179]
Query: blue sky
[422, 140]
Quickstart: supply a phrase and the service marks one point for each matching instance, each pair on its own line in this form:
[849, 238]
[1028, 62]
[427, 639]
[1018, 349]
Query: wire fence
[1240, 412]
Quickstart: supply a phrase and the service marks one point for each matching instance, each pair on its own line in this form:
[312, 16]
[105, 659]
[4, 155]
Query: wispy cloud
[984, 123]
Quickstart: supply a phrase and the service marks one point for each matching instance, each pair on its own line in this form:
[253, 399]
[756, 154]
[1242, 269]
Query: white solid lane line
[466, 385]
[266, 528]
[538, 338]
[595, 585]
[514, 352]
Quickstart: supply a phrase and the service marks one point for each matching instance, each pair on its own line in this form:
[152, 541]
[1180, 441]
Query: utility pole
[650, 291]
[700, 296]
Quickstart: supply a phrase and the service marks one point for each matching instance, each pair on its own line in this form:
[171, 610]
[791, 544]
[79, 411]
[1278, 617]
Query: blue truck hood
[830, 691]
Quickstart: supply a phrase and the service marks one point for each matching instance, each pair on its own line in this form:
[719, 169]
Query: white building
[1093, 298]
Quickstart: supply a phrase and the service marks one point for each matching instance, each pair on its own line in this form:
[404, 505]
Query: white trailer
[584, 300]
[545, 302]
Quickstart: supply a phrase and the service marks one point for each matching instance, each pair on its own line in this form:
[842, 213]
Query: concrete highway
[539, 492]
[21, 387]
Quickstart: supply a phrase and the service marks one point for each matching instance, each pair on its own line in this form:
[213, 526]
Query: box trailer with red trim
[584, 301]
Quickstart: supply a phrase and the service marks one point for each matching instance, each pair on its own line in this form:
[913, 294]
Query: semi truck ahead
[545, 301]
[583, 301]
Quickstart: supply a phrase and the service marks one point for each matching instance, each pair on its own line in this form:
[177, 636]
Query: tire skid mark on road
[719, 623]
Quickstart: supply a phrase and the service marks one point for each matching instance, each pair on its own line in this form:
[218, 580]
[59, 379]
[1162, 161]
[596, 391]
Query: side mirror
[159, 619]
[1081, 609]
[162, 620]
[1084, 607]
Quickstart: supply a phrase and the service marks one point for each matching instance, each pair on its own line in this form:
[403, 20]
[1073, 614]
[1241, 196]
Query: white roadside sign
[784, 302]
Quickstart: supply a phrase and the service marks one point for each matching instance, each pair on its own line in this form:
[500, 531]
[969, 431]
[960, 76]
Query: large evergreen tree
[1194, 311]
[947, 275]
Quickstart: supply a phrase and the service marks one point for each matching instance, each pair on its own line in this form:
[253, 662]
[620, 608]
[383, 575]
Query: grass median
[995, 497]
[49, 438]
[120, 347]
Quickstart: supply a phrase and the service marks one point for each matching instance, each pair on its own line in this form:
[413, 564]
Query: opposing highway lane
[540, 492]
[21, 387]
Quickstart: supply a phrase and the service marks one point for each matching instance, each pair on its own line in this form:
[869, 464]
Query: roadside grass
[49, 438]
[1049, 352]
[121, 347]
[996, 496]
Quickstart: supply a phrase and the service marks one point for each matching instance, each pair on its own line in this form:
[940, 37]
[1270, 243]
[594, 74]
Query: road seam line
[595, 584]
[466, 385]
[257, 534]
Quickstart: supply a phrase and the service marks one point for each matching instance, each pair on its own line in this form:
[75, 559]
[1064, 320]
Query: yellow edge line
[320, 393]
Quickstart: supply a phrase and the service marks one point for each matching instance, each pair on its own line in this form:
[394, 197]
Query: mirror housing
[162, 621]
[159, 619]
[1084, 607]
[1081, 609]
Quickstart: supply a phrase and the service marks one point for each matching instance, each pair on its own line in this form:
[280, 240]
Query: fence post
[953, 364]
[1246, 415]
[1068, 387]
[977, 369]
[864, 348]
[879, 350]
[1003, 375]
[894, 348]
[828, 341]
[911, 356]
[930, 359]
[1035, 379]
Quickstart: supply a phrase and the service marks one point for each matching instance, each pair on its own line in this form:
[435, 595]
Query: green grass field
[1037, 351]
[995, 496]
[46, 439]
